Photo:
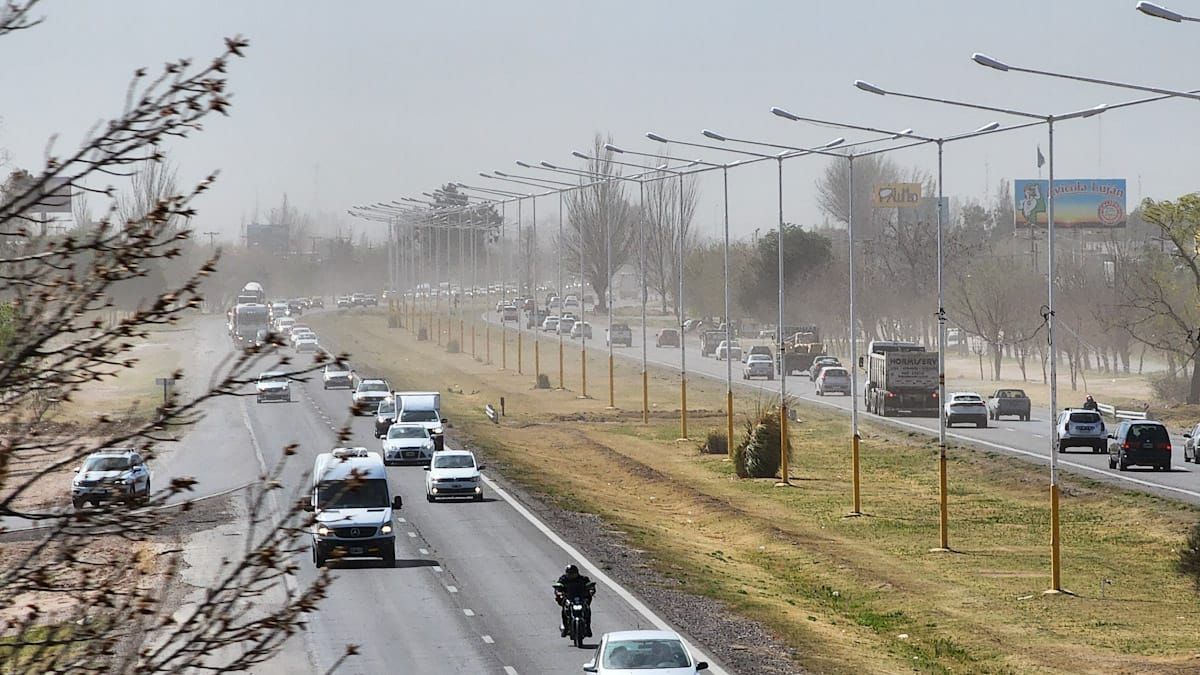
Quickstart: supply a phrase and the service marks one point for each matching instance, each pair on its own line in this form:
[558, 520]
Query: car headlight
[121, 481]
[437, 430]
[323, 531]
[386, 529]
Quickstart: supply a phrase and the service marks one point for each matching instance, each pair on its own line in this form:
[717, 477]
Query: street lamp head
[1151, 9]
[905, 132]
[985, 60]
[523, 165]
[833, 144]
[501, 174]
[784, 114]
[1096, 110]
[990, 126]
[486, 175]
[869, 88]
[548, 165]
[579, 154]
[709, 133]
[612, 148]
[655, 137]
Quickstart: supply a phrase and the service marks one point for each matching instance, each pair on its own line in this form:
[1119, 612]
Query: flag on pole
[1040, 159]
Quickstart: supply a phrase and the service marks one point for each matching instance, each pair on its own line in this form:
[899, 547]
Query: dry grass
[851, 594]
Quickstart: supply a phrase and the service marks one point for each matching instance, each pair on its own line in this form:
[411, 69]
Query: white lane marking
[437, 568]
[424, 551]
[1038, 436]
[413, 535]
[468, 612]
[596, 573]
[509, 670]
[488, 639]
[452, 589]
[401, 520]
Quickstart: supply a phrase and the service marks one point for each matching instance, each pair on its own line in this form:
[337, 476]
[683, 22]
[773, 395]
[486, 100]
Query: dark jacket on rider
[577, 587]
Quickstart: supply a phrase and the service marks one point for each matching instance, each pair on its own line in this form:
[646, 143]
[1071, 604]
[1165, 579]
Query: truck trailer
[901, 378]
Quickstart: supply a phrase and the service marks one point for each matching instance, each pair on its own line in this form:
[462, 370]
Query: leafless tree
[51, 343]
[664, 229]
[596, 211]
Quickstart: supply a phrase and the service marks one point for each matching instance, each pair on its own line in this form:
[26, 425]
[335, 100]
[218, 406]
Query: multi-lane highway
[471, 589]
[1030, 440]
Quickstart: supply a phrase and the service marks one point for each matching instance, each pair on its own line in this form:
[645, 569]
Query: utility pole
[212, 239]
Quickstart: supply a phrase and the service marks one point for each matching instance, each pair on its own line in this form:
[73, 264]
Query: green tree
[804, 254]
[1159, 290]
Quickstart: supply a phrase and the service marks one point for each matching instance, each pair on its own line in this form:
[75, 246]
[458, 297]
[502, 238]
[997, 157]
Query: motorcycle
[579, 624]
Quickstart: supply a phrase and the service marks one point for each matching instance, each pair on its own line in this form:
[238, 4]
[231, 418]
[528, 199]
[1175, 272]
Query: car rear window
[1085, 417]
[836, 372]
[1155, 433]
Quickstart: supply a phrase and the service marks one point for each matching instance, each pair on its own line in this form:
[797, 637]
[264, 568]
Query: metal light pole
[1049, 120]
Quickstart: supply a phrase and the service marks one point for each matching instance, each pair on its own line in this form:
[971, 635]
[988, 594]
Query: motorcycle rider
[1090, 403]
[570, 586]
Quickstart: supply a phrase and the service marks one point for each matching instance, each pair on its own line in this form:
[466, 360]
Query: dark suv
[1141, 443]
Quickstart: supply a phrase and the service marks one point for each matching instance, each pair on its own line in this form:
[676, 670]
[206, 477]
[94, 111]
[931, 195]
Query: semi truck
[252, 293]
[901, 378]
[246, 320]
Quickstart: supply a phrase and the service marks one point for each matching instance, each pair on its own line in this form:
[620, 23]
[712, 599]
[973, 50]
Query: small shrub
[452, 346]
[759, 450]
[1169, 388]
[1189, 556]
[738, 456]
[543, 381]
[715, 443]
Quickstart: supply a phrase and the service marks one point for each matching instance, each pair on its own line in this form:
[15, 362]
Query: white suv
[1081, 429]
[453, 473]
[368, 394]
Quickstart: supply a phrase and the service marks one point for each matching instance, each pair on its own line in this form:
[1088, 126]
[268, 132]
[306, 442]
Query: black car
[385, 416]
[295, 307]
[1140, 443]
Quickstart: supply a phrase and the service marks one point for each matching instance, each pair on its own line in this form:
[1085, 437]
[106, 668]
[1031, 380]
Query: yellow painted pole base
[944, 505]
[683, 408]
[728, 418]
[785, 478]
[537, 357]
[583, 372]
[487, 344]
[1055, 561]
[612, 401]
[856, 486]
[645, 397]
[520, 353]
[561, 380]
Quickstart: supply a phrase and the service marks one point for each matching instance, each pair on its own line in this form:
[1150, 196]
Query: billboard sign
[896, 196]
[1078, 203]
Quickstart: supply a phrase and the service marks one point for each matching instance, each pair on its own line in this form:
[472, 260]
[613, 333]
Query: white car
[759, 365]
[283, 325]
[407, 442]
[273, 386]
[565, 324]
[643, 651]
[368, 394]
[308, 345]
[335, 375]
[453, 473]
[726, 350]
[966, 406]
[550, 324]
[305, 334]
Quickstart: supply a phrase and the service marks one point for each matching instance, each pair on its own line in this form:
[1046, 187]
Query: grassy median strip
[850, 594]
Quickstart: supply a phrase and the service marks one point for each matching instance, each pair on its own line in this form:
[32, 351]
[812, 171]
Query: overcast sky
[345, 103]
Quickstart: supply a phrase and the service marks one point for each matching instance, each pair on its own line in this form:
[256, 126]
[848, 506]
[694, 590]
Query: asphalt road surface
[1029, 440]
[471, 589]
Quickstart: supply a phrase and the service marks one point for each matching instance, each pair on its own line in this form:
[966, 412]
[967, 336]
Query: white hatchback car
[453, 473]
[644, 651]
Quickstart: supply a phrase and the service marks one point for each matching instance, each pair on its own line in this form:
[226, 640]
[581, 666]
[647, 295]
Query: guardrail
[1111, 411]
[491, 413]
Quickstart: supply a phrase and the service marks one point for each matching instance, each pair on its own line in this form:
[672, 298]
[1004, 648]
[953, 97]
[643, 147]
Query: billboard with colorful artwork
[1078, 202]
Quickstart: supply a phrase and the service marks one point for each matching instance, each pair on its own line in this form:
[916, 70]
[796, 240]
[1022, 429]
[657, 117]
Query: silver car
[759, 365]
[833, 379]
[1081, 429]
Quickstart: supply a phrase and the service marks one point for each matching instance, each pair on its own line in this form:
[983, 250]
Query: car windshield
[645, 654]
[386, 408]
[759, 358]
[106, 464]
[407, 432]
[334, 370]
[419, 416]
[270, 377]
[1085, 417]
[373, 386]
[363, 494]
[454, 462]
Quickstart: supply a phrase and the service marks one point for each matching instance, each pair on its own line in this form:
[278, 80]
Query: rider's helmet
[571, 571]
[1089, 398]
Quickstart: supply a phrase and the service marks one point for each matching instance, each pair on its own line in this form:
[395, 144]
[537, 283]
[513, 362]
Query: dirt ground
[849, 595]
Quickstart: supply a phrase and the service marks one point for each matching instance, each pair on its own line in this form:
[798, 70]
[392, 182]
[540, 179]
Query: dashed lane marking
[509, 670]
[452, 589]
[424, 551]
[468, 612]
[437, 568]
[488, 639]
[412, 534]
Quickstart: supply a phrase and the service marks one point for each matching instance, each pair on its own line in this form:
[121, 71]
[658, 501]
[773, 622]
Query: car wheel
[479, 497]
[259, 399]
[771, 377]
[1121, 463]
[818, 392]
[1112, 463]
[429, 498]
[981, 425]
[325, 387]
[318, 559]
[389, 557]
[78, 503]
[1165, 467]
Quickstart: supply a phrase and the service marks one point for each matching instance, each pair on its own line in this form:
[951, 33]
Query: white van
[353, 507]
[424, 407]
